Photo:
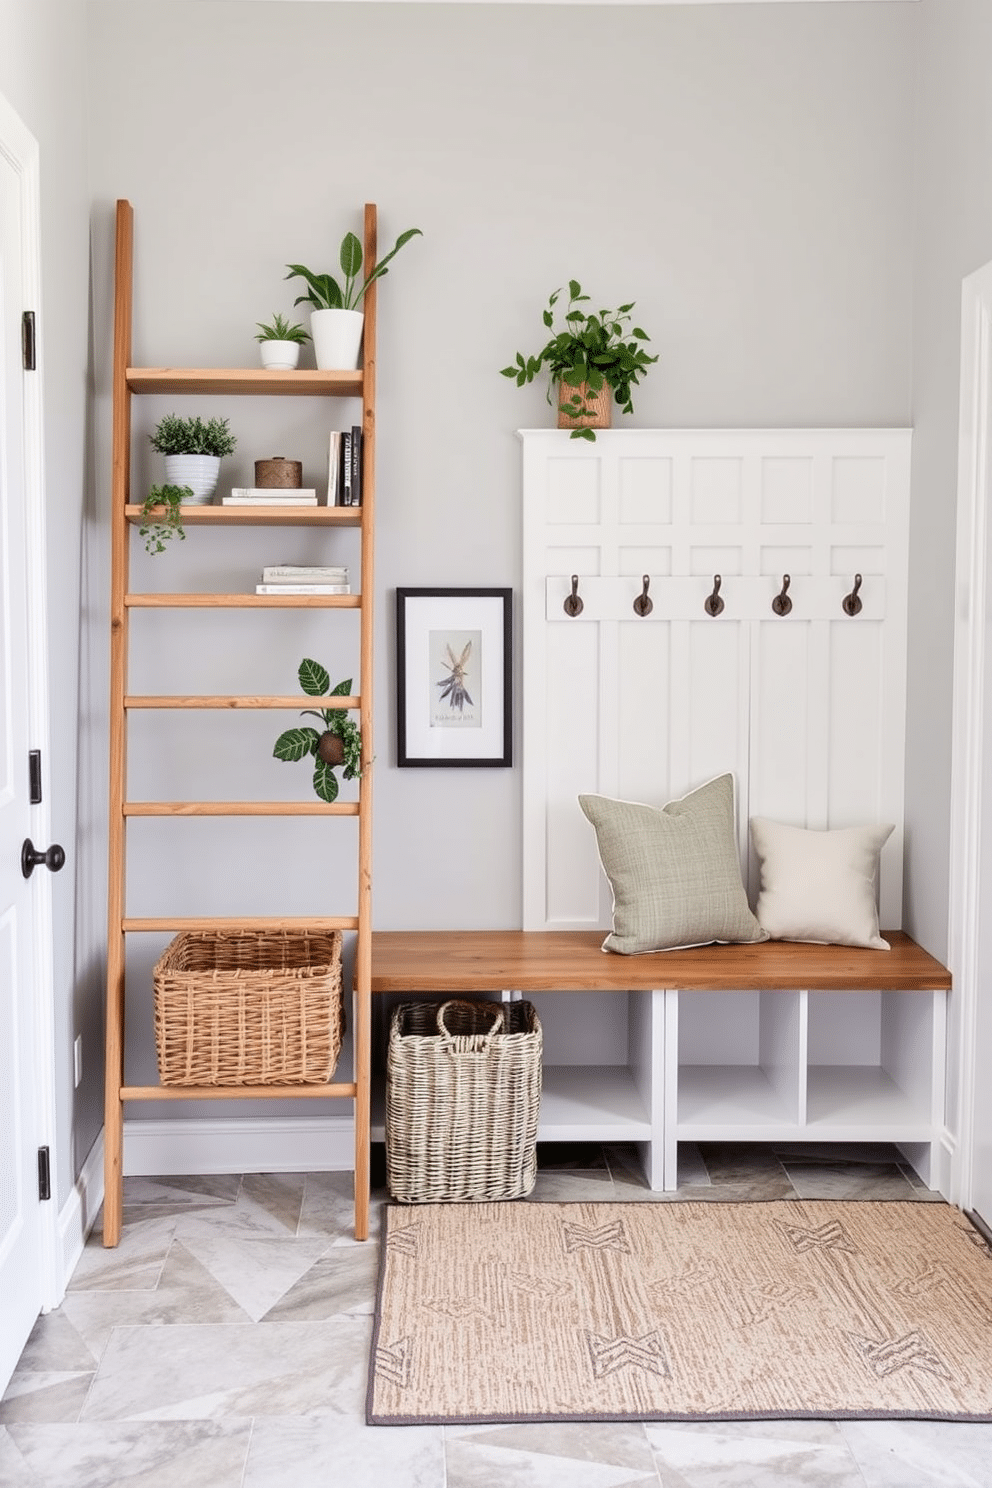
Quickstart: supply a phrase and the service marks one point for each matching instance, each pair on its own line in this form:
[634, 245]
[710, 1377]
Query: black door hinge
[27, 341]
[34, 776]
[44, 1174]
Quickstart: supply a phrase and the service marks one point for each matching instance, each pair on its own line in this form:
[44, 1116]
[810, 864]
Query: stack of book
[344, 467]
[285, 578]
[271, 496]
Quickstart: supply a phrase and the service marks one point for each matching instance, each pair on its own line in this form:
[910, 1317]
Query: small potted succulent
[279, 343]
[336, 321]
[193, 449]
[338, 743]
[592, 361]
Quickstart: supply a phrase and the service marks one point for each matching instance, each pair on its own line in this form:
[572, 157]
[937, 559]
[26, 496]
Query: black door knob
[31, 858]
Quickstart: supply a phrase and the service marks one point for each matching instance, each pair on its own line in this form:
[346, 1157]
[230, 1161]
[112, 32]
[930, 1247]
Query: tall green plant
[325, 293]
[338, 744]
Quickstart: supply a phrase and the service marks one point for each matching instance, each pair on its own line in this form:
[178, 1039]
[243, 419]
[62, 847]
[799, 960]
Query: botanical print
[455, 673]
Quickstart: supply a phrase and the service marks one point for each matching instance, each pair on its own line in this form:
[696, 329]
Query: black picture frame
[454, 678]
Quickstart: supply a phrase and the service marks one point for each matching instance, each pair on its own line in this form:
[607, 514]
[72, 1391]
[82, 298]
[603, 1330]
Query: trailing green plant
[193, 436]
[324, 291]
[158, 530]
[339, 743]
[280, 329]
[589, 352]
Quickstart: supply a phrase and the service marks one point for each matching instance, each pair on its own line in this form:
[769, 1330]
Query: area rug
[681, 1312]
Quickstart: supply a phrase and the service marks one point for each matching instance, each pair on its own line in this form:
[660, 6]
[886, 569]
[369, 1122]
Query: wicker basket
[249, 1008]
[463, 1095]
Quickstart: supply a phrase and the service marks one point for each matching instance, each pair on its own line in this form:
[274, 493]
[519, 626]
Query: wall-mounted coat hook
[782, 604]
[713, 604]
[851, 603]
[573, 604]
[643, 604]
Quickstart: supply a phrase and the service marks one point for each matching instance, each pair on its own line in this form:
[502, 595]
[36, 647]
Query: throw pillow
[674, 870]
[819, 886]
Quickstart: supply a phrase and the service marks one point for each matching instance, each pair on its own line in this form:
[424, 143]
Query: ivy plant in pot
[336, 320]
[337, 744]
[161, 517]
[593, 360]
[279, 343]
[193, 449]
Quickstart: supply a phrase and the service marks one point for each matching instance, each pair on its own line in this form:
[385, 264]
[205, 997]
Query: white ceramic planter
[199, 472]
[280, 356]
[337, 339]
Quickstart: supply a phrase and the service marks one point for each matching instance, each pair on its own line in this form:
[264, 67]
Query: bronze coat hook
[573, 604]
[643, 604]
[713, 604]
[852, 602]
[782, 604]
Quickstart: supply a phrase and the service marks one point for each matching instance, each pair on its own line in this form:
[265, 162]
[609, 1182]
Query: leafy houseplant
[592, 352]
[279, 343]
[280, 329]
[336, 321]
[193, 449]
[338, 744]
[158, 530]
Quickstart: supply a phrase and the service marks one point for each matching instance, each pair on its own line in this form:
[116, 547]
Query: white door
[23, 1236]
[971, 822]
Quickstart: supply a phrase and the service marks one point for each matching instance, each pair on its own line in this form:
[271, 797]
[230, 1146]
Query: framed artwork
[453, 676]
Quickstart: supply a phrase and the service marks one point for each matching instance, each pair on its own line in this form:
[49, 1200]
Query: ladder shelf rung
[243, 601]
[225, 701]
[240, 808]
[237, 1092]
[159, 923]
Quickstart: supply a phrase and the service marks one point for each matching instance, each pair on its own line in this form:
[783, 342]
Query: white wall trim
[274, 1144]
[971, 586]
[79, 1212]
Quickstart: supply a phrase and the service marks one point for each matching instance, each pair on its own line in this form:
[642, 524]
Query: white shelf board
[862, 1099]
[730, 1099]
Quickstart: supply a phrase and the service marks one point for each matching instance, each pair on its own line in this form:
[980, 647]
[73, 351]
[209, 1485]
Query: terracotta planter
[599, 405]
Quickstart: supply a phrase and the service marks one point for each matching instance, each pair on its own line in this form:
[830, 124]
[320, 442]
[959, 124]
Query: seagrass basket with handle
[463, 1097]
[248, 1007]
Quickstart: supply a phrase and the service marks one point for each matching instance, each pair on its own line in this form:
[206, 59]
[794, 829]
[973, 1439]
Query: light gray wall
[953, 237]
[747, 182]
[41, 78]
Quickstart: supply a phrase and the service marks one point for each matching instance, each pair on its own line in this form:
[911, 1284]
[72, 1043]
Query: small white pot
[337, 339]
[279, 356]
[199, 472]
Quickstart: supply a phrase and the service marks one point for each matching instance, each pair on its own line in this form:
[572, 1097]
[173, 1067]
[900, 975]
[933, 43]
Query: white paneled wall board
[703, 601]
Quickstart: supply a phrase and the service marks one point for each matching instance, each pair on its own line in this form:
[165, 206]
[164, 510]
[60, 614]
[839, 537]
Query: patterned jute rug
[681, 1311]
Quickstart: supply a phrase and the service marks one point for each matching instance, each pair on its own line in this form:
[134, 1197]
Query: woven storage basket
[463, 1095]
[249, 1008]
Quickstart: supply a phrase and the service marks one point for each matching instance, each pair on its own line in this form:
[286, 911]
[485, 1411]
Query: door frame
[20, 150]
[971, 594]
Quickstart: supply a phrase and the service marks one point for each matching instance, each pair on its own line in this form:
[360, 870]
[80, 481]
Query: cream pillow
[675, 871]
[819, 886]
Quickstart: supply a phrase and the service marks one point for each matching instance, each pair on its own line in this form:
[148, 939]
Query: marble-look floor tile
[203, 1454]
[343, 1280]
[44, 1395]
[257, 1273]
[742, 1172]
[753, 1454]
[267, 1204]
[538, 1455]
[921, 1454]
[329, 1208]
[826, 1179]
[571, 1188]
[178, 1372]
[342, 1450]
[135, 1264]
[56, 1343]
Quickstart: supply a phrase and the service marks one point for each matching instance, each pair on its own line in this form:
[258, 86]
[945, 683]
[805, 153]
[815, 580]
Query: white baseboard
[78, 1213]
[303, 1144]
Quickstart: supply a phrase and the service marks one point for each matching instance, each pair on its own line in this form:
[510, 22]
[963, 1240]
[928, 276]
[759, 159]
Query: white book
[273, 493]
[280, 573]
[302, 588]
[283, 501]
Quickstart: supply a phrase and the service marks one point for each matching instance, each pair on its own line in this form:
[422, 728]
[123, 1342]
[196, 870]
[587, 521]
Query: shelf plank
[236, 1092]
[172, 923]
[240, 808]
[729, 1098]
[243, 601]
[258, 516]
[245, 380]
[864, 1099]
[224, 701]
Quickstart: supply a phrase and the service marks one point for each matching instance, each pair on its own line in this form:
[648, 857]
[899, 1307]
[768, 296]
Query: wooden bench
[723, 1043]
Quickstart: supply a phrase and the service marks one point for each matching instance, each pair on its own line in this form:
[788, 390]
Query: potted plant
[339, 743]
[157, 530]
[279, 343]
[336, 322]
[591, 358]
[193, 449]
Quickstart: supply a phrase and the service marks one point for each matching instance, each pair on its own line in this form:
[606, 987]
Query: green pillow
[675, 871]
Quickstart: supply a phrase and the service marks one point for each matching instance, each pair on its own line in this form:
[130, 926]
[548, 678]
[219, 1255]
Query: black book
[346, 469]
[356, 465]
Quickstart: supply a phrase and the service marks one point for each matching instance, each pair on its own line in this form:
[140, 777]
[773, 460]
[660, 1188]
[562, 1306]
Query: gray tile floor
[224, 1344]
